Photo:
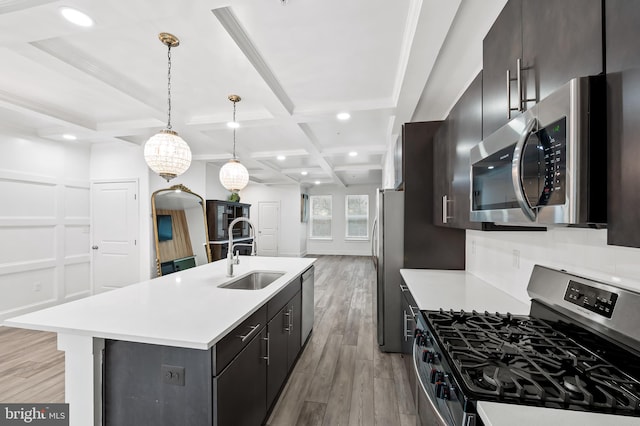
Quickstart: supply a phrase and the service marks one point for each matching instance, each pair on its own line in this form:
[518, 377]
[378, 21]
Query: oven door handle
[516, 170]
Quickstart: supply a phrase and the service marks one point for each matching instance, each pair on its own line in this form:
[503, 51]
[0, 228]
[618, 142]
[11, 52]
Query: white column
[82, 378]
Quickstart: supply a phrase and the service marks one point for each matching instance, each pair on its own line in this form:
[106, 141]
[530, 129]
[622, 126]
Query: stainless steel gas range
[578, 349]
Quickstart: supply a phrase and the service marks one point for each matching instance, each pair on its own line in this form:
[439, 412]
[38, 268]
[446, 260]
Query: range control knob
[428, 356]
[417, 332]
[443, 390]
[436, 376]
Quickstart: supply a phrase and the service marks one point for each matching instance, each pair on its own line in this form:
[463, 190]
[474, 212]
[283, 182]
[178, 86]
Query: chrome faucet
[236, 260]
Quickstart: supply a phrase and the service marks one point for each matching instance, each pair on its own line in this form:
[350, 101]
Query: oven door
[428, 413]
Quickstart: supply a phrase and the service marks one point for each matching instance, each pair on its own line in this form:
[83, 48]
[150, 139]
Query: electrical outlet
[516, 259]
[37, 286]
[172, 375]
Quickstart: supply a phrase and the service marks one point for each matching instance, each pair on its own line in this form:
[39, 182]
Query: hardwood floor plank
[323, 377]
[405, 397]
[339, 403]
[386, 402]
[312, 414]
[362, 401]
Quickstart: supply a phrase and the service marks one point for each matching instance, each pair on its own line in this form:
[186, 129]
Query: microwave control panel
[554, 146]
[594, 299]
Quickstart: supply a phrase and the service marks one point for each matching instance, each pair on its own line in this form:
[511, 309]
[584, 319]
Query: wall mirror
[180, 229]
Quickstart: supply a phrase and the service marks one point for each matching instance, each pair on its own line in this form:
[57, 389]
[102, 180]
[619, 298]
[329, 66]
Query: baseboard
[337, 253]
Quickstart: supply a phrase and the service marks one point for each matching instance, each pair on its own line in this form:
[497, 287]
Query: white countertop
[184, 309]
[497, 414]
[458, 290]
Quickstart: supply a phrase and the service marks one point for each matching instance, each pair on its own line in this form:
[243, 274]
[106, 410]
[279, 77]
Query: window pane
[357, 228]
[357, 215]
[320, 226]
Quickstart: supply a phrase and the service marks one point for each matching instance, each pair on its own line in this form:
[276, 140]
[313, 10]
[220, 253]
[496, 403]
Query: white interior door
[268, 223]
[114, 220]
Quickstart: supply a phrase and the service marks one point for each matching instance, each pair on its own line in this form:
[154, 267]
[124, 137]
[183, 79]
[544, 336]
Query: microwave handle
[516, 169]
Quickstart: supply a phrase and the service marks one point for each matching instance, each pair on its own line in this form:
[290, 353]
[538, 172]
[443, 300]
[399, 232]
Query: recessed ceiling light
[76, 17]
[353, 154]
[304, 173]
[317, 182]
[490, 167]
[233, 124]
[69, 137]
[281, 157]
[343, 116]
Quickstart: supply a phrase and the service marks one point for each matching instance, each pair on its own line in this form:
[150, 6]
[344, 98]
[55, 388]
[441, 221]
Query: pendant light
[166, 153]
[233, 175]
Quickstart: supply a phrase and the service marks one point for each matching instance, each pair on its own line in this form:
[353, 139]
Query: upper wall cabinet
[533, 48]
[623, 80]
[459, 133]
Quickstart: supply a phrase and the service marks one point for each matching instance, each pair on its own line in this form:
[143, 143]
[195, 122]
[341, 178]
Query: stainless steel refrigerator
[388, 257]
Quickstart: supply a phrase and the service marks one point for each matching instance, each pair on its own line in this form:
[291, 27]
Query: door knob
[94, 247]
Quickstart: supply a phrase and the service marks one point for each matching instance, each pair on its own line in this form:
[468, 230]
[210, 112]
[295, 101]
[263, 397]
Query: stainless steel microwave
[548, 165]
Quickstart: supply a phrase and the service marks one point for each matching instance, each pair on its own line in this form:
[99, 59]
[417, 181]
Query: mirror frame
[154, 219]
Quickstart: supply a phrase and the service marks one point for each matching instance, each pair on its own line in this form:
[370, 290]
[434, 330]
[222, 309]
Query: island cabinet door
[278, 367]
[293, 347]
[240, 390]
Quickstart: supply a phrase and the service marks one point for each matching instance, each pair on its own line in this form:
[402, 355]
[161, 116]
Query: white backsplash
[506, 259]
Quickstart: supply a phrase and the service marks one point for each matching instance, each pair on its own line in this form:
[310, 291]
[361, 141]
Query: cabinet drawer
[227, 348]
[282, 298]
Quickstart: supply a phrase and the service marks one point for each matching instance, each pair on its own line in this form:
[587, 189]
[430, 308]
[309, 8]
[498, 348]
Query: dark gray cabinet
[623, 81]
[284, 345]
[240, 391]
[554, 41]
[459, 133]
[425, 244]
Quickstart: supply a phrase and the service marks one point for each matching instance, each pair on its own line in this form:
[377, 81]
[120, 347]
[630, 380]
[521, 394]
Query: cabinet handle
[509, 80]
[287, 326]
[403, 288]
[253, 328]
[290, 320]
[445, 209]
[521, 100]
[413, 313]
[268, 349]
[407, 332]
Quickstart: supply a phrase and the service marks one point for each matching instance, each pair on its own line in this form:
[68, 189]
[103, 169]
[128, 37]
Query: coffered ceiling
[295, 65]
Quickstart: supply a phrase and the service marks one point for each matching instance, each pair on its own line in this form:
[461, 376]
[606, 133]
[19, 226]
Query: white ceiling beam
[233, 27]
[313, 145]
[358, 167]
[364, 149]
[274, 154]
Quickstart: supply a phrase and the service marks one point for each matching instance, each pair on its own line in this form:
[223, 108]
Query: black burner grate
[524, 359]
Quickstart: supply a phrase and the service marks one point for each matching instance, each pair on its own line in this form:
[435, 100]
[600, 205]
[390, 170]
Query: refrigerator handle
[374, 255]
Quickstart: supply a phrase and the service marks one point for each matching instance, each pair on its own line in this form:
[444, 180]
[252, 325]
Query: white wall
[289, 232]
[493, 256]
[338, 245]
[44, 223]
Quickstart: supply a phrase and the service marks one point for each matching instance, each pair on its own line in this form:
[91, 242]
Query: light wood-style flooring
[341, 377]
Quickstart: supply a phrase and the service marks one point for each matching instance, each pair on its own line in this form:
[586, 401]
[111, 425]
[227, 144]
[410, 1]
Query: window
[320, 226]
[357, 217]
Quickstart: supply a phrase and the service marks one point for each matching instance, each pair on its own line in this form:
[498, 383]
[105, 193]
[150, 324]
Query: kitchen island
[186, 310]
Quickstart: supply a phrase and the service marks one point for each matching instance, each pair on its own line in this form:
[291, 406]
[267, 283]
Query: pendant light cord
[169, 88]
[234, 130]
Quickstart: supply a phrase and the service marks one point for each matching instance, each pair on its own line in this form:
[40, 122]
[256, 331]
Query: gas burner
[574, 384]
[503, 377]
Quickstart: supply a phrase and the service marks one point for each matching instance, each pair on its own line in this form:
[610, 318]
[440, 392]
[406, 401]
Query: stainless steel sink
[254, 281]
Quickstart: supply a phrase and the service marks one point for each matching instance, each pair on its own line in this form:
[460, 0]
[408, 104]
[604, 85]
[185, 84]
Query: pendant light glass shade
[233, 175]
[166, 153]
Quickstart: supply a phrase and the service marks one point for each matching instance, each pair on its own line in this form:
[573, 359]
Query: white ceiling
[294, 65]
